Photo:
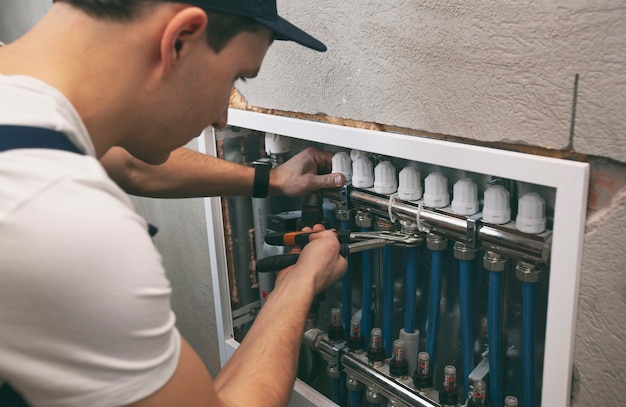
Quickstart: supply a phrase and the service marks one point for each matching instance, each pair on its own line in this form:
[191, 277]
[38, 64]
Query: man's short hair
[221, 27]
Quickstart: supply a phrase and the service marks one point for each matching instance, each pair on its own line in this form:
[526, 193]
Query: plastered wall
[490, 71]
[542, 76]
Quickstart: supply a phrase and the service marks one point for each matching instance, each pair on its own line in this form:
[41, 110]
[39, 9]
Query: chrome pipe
[511, 243]
[385, 385]
[336, 354]
[503, 239]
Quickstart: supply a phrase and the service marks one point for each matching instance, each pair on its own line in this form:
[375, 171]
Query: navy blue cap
[264, 12]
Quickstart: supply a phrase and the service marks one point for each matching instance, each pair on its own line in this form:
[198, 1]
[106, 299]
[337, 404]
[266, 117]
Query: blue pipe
[366, 314]
[346, 291]
[467, 342]
[355, 398]
[451, 290]
[528, 343]
[335, 390]
[388, 300]
[433, 307]
[411, 288]
[494, 329]
[343, 391]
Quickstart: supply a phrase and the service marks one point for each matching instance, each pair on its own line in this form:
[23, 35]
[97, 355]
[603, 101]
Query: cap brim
[284, 30]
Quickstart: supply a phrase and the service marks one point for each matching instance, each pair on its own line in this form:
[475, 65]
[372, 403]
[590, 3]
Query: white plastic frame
[569, 178]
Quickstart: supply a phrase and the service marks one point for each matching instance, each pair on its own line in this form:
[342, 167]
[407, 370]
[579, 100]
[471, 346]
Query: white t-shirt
[85, 316]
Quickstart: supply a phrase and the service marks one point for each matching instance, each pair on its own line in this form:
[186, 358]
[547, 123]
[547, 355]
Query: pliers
[351, 242]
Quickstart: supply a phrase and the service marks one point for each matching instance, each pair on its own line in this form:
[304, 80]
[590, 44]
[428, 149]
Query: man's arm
[263, 369]
[188, 173]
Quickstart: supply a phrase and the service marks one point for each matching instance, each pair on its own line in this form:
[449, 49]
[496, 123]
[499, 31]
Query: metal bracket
[344, 195]
[473, 224]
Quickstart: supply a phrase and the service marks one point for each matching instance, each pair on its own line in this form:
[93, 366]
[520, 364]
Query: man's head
[227, 17]
[150, 75]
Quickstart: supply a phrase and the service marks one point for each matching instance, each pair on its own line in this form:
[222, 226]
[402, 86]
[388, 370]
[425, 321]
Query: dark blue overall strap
[14, 137]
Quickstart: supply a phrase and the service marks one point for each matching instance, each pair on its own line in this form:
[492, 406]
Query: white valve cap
[343, 164]
[436, 190]
[465, 197]
[354, 154]
[497, 208]
[362, 173]
[531, 213]
[385, 181]
[409, 184]
[277, 144]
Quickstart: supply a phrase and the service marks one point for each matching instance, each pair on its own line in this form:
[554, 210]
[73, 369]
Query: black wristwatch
[261, 185]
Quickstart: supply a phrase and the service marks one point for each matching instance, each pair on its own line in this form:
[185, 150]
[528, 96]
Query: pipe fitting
[493, 261]
[353, 384]
[313, 337]
[436, 242]
[462, 252]
[342, 213]
[372, 396]
[528, 272]
[312, 210]
[333, 372]
[363, 219]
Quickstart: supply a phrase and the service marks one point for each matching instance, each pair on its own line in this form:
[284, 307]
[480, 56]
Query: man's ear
[185, 29]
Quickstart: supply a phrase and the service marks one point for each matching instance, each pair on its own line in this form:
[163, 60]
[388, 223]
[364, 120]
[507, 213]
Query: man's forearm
[266, 361]
[185, 174]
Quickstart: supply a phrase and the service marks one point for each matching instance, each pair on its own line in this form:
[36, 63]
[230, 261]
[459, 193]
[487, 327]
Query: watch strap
[261, 184]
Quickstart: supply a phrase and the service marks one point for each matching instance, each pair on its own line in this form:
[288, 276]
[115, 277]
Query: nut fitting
[342, 213]
[493, 261]
[363, 219]
[313, 337]
[333, 372]
[436, 242]
[462, 252]
[372, 396]
[353, 384]
[528, 272]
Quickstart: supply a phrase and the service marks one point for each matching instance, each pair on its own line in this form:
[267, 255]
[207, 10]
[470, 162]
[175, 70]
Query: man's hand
[320, 260]
[301, 174]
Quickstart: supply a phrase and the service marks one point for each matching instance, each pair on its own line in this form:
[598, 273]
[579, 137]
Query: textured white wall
[491, 71]
[600, 364]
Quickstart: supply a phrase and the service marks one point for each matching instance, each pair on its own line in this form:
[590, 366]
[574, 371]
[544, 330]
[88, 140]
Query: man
[84, 302]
